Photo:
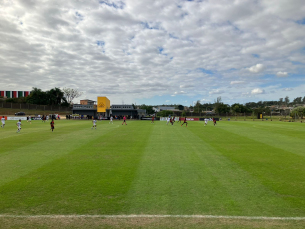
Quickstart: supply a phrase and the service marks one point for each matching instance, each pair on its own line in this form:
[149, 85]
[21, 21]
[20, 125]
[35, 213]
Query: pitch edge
[156, 216]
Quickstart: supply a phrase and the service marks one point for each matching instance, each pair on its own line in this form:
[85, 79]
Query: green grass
[234, 169]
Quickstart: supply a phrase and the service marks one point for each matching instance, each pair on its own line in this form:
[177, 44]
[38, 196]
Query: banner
[165, 118]
[16, 118]
[191, 119]
[103, 103]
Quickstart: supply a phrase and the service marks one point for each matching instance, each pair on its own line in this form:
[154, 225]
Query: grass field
[248, 169]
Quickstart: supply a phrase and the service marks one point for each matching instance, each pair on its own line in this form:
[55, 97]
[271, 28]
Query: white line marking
[156, 216]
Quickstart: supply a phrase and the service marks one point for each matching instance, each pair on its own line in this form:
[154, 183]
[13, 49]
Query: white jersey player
[168, 120]
[19, 125]
[94, 123]
[111, 120]
[205, 121]
[2, 122]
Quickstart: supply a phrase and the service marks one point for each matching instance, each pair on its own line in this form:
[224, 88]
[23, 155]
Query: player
[52, 125]
[111, 119]
[124, 120]
[214, 121]
[179, 120]
[30, 119]
[205, 121]
[168, 120]
[184, 122]
[3, 122]
[18, 124]
[153, 119]
[94, 123]
[174, 119]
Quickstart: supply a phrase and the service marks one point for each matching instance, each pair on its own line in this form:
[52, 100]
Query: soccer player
[18, 124]
[30, 119]
[3, 122]
[205, 121]
[179, 120]
[94, 123]
[168, 120]
[52, 125]
[153, 119]
[111, 119]
[214, 121]
[184, 122]
[124, 120]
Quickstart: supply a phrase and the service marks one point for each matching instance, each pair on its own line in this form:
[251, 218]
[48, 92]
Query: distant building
[125, 110]
[85, 107]
[103, 109]
[163, 108]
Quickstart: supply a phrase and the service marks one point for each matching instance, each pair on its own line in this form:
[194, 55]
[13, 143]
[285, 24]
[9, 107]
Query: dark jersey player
[52, 125]
[184, 122]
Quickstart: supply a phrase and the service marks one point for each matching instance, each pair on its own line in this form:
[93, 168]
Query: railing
[26, 106]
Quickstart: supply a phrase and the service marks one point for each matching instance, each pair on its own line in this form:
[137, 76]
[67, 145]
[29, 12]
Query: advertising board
[16, 118]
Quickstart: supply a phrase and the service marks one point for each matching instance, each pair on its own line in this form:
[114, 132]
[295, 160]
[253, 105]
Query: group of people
[111, 121]
[172, 120]
[19, 124]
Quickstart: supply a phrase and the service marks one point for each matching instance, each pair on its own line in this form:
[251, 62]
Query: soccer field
[195, 176]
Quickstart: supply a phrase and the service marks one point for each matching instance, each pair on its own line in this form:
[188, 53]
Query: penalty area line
[156, 216]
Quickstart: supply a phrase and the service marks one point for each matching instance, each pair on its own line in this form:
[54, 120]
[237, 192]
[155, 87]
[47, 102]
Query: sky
[155, 52]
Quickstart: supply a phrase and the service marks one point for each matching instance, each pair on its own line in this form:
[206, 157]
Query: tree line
[221, 108]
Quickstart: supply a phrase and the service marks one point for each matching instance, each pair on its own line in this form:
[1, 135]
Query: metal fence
[26, 106]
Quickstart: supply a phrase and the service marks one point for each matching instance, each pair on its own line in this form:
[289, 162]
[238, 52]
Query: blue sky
[156, 52]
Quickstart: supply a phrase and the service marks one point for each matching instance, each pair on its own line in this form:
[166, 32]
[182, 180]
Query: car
[19, 113]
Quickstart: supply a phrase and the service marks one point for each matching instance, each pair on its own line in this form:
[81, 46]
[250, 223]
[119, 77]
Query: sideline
[156, 216]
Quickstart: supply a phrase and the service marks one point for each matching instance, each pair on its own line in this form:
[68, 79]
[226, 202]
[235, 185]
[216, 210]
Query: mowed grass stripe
[27, 152]
[182, 174]
[285, 136]
[91, 179]
[280, 171]
[35, 132]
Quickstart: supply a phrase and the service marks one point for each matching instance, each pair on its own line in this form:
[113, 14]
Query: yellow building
[103, 103]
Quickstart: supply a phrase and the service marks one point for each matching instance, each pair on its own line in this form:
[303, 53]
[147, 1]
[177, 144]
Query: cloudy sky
[153, 51]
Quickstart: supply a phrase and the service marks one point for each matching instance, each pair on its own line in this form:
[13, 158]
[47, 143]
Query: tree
[299, 111]
[197, 106]
[164, 113]
[297, 100]
[287, 100]
[37, 96]
[70, 94]
[55, 96]
[281, 101]
[149, 109]
[222, 108]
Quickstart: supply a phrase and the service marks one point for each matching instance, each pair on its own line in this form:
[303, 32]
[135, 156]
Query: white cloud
[237, 82]
[257, 91]
[282, 74]
[144, 49]
[288, 89]
[257, 68]
[216, 91]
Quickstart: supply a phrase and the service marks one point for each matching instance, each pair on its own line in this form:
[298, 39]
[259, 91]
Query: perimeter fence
[26, 106]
